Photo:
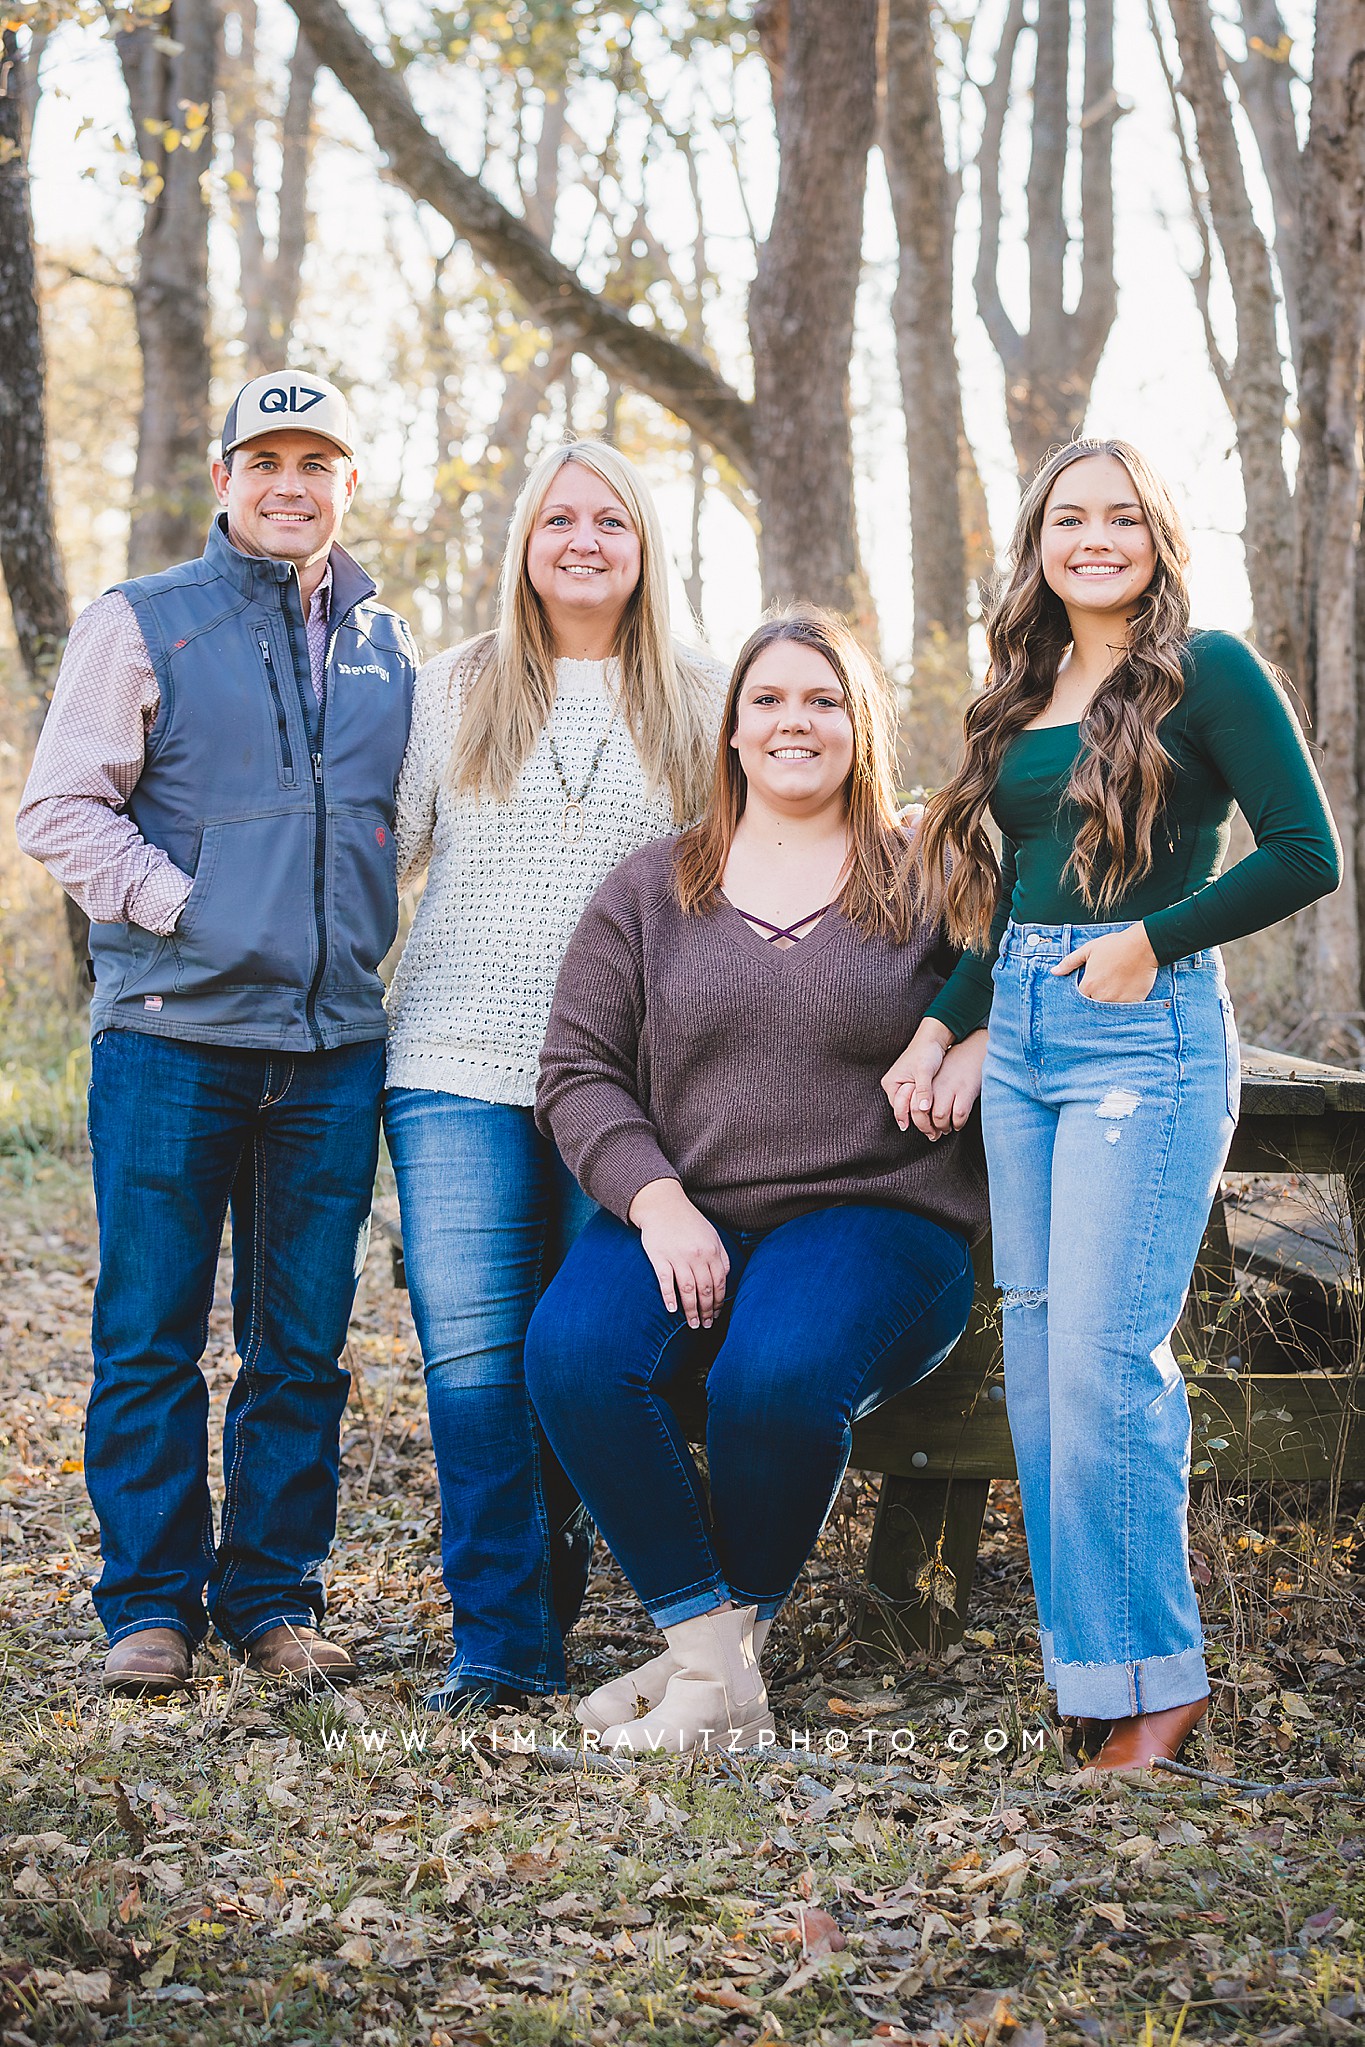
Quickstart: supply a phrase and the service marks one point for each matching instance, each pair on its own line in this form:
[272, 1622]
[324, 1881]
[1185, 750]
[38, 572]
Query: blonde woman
[541, 754]
[711, 1073]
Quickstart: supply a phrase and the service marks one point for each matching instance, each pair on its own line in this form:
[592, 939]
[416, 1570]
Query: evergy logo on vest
[287, 398]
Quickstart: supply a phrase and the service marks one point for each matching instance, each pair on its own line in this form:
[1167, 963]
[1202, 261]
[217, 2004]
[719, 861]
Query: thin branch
[1201, 279]
[651, 361]
[1005, 336]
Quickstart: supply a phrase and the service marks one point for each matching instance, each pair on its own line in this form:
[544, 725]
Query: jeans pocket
[1233, 1056]
[1157, 997]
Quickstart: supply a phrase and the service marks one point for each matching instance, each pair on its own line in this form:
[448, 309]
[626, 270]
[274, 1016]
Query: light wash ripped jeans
[1106, 1127]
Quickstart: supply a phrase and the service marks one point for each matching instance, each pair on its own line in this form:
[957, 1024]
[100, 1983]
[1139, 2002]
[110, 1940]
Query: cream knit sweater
[504, 891]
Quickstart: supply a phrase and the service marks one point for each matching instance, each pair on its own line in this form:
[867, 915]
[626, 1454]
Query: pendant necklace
[572, 817]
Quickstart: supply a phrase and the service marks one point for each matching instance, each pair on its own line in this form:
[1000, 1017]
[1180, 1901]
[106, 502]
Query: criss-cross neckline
[775, 931]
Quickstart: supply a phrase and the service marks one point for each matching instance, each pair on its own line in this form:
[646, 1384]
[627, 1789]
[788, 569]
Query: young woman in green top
[1110, 745]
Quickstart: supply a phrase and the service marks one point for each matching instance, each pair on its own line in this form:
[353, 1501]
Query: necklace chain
[572, 816]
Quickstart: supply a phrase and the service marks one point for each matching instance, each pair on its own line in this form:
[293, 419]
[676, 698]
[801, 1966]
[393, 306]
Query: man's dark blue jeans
[179, 1133]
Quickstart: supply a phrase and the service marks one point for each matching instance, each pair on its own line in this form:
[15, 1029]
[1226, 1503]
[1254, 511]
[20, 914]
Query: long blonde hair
[879, 895]
[665, 696]
[1122, 772]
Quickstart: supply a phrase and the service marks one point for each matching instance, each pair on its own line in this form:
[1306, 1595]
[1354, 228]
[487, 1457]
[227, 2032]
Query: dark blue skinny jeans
[826, 1317]
[489, 1208]
[180, 1133]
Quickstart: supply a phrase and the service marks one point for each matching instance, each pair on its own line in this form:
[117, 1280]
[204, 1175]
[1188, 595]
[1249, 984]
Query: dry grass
[250, 1864]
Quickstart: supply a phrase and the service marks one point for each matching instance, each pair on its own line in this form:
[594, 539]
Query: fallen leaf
[162, 1969]
[363, 1912]
[1112, 1914]
[93, 1986]
[986, 2015]
[820, 1934]
[727, 1998]
[357, 1949]
[568, 1905]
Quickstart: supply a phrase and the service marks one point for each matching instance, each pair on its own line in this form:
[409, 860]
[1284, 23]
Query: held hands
[1121, 967]
[690, 1262]
[934, 1084]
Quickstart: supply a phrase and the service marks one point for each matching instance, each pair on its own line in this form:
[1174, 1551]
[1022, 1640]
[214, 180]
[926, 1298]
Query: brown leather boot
[1145, 1738]
[148, 1664]
[293, 1650]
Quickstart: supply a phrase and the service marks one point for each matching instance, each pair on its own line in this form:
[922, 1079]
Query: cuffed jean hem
[764, 1609]
[158, 1620]
[686, 1605]
[308, 1619]
[497, 1674]
[1115, 1691]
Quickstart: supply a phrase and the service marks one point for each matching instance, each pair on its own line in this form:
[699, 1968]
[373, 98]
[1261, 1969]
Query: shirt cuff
[159, 899]
[628, 1161]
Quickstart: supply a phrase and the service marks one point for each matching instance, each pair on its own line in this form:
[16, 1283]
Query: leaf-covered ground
[249, 1864]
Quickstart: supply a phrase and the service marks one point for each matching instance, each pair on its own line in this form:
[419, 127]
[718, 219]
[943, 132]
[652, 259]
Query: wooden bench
[939, 1446]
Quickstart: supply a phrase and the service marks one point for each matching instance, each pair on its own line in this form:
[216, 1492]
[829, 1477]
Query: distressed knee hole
[1023, 1296]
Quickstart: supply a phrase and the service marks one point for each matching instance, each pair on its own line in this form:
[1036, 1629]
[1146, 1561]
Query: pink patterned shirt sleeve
[90, 754]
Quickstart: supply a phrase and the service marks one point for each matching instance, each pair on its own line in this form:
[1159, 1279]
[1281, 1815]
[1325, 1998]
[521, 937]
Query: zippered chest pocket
[283, 745]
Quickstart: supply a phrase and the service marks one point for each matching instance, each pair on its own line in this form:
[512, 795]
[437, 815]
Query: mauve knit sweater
[685, 1047]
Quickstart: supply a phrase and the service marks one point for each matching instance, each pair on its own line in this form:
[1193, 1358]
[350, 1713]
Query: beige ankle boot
[715, 1696]
[616, 1703]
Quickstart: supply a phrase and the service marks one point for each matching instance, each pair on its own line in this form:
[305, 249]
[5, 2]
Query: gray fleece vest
[281, 812]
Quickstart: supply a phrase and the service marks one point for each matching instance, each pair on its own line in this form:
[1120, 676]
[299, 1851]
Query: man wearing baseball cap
[215, 787]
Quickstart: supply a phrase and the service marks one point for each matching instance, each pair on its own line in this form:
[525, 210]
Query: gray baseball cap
[288, 398]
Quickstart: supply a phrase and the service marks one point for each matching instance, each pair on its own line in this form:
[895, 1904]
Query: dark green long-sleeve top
[1234, 742]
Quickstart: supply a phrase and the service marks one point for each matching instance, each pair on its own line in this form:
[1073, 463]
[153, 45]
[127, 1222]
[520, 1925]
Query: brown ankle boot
[148, 1663]
[1145, 1738]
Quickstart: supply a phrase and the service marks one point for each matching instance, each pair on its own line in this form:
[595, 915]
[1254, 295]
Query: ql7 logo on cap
[297, 399]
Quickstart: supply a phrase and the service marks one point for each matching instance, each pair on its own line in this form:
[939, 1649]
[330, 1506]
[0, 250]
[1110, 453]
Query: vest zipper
[286, 750]
[303, 680]
[319, 876]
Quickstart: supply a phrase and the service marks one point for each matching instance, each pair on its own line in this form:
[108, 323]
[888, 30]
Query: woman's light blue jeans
[1106, 1126]
[489, 1209]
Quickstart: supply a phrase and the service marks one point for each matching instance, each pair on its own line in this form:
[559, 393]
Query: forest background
[835, 272]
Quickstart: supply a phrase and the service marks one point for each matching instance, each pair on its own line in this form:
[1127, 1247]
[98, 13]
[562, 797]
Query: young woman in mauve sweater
[1110, 745]
[541, 753]
[723, 1015]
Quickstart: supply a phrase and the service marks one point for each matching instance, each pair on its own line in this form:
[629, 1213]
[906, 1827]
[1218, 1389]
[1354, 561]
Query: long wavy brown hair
[1123, 772]
[879, 894]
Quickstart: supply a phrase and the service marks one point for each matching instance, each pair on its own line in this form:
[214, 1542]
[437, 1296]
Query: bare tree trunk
[271, 284]
[171, 96]
[922, 313]
[29, 554]
[1049, 370]
[802, 302]
[1263, 88]
[1328, 495]
[1255, 382]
